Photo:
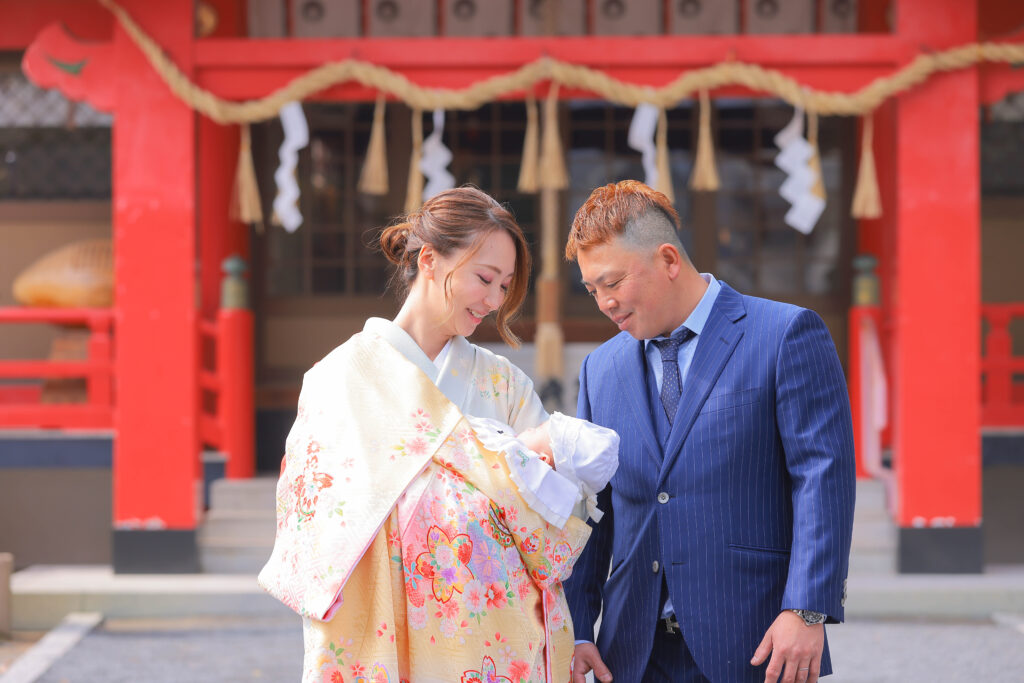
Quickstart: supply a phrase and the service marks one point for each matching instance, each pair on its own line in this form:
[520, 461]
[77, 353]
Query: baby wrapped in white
[585, 458]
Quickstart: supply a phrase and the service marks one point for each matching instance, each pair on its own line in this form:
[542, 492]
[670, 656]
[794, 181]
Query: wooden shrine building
[186, 362]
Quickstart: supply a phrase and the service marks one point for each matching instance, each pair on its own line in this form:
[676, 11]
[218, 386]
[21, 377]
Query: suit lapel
[715, 346]
[629, 365]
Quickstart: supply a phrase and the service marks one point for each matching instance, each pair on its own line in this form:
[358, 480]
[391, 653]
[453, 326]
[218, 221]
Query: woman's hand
[538, 440]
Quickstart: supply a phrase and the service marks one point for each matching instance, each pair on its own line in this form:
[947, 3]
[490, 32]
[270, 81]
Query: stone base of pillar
[162, 551]
[955, 550]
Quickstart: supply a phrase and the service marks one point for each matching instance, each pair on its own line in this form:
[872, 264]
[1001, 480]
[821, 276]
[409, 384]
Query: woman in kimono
[418, 536]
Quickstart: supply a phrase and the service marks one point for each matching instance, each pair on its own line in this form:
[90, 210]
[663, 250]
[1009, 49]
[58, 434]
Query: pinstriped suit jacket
[759, 472]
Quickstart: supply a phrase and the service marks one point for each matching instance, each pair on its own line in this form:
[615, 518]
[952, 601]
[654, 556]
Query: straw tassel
[867, 201]
[549, 343]
[531, 149]
[245, 205]
[705, 175]
[664, 184]
[814, 162]
[373, 179]
[552, 174]
[414, 190]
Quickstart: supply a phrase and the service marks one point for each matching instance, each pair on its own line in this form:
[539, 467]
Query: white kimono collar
[455, 374]
[406, 345]
[452, 378]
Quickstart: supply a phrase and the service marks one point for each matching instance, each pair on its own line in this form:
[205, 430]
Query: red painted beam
[21, 369]
[243, 84]
[428, 54]
[57, 416]
[22, 20]
[250, 69]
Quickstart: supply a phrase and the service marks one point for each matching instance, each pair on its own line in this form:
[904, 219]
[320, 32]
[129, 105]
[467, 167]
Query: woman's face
[478, 286]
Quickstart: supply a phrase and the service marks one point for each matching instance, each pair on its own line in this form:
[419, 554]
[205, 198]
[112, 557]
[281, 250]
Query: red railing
[21, 405]
[1002, 398]
[227, 404]
[225, 376]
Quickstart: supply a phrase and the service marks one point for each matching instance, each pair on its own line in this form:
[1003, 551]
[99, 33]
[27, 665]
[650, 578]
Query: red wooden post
[937, 352]
[865, 311]
[236, 405]
[217, 150]
[157, 349]
[885, 157]
[99, 382]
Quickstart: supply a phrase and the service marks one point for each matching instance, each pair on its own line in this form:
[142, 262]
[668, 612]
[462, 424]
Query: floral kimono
[401, 538]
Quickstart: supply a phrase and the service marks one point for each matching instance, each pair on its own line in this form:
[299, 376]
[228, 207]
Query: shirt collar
[699, 316]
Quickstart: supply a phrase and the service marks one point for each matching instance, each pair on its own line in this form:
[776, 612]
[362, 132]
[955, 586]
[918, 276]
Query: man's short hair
[642, 216]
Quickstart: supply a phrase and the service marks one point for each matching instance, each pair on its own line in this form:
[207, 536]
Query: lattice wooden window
[738, 232]
[332, 253]
[50, 147]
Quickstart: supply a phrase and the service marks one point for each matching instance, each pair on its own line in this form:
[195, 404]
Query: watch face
[810, 618]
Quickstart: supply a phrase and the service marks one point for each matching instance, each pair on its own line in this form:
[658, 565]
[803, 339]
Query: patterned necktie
[670, 385]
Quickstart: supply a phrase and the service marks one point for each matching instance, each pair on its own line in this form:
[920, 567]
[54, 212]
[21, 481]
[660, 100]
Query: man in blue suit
[727, 525]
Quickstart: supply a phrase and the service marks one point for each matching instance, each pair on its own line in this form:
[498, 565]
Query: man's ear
[670, 259]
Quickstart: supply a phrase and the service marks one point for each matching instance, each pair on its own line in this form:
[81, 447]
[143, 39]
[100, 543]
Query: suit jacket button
[662, 497]
[655, 566]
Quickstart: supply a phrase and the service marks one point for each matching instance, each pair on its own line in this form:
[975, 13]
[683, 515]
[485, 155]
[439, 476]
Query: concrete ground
[184, 650]
[911, 650]
[228, 649]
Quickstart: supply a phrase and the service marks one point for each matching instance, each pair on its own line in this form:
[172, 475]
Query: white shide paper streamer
[641, 138]
[435, 159]
[793, 158]
[296, 136]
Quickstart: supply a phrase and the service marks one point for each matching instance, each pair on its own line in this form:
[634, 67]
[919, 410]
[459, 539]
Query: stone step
[43, 595]
[875, 535]
[870, 516]
[871, 495]
[233, 559]
[942, 596]
[243, 494]
[872, 563]
[258, 526]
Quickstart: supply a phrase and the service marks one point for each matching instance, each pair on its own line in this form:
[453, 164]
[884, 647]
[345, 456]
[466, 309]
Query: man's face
[629, 286]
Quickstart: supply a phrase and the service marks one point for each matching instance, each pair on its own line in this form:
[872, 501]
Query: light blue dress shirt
[695, 323]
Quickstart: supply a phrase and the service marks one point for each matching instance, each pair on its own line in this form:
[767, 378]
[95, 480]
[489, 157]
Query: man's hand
[794, 646]
[586, 658]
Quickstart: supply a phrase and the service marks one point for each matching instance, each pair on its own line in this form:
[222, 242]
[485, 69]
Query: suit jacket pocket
[783, 552]
[615, 572]
[730, 400]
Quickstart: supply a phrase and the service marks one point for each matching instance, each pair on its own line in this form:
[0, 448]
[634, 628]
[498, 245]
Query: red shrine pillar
[217, 158]
[154, 209]
[936, 296]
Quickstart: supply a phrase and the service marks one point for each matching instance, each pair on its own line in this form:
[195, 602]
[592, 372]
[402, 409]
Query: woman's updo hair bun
[393, 241]
[450, 221]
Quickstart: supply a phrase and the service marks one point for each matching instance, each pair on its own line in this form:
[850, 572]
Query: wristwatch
[810, 618]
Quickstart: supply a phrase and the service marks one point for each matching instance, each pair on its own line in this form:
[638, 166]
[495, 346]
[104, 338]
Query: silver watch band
[810, 617]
